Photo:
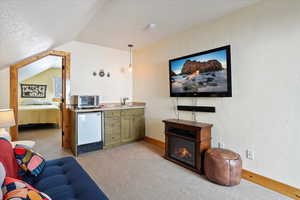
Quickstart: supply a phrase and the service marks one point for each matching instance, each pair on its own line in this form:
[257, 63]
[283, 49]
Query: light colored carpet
[137, 171]
[48, 141]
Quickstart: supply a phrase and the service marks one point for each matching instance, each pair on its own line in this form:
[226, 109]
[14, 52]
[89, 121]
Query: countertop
[112, 106]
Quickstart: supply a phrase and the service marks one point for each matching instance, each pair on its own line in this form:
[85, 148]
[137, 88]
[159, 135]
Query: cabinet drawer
[112, 131]
[112, 124]
[112, 113]
[137, 111]
[112, 138]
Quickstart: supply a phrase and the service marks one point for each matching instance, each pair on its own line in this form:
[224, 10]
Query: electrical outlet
[250, 154]
[221, 145]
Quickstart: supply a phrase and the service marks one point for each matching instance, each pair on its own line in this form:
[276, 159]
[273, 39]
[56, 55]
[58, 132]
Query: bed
[39, 114]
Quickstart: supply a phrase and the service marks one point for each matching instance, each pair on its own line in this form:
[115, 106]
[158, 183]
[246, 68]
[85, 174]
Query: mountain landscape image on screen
[203, 73]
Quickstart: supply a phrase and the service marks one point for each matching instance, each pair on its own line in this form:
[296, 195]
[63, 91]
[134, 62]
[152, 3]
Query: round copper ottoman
[223, 166]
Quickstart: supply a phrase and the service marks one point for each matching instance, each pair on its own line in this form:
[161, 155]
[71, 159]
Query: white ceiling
[120, 22]
[32, 26]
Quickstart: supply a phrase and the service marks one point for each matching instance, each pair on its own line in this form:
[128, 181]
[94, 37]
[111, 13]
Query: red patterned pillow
[29, 160]
[15, 189]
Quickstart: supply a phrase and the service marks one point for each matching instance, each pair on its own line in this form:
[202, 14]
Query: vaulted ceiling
[39, 66]
[33, 26]
[120, 22]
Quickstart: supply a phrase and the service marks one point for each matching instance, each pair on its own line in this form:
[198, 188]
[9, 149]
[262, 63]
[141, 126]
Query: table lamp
[7, 119]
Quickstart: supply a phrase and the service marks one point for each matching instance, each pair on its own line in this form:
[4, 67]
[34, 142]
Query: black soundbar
[197, 108]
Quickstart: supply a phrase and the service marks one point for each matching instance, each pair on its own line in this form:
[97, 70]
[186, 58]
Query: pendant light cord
[130, 55]
[130, 46]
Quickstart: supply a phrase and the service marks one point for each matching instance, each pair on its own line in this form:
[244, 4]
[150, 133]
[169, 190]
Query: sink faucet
[123, 100]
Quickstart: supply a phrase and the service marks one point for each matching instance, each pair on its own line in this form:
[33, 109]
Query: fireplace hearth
[186, 143]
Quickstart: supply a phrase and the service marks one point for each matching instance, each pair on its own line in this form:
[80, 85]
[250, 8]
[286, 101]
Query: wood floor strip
[272, 184]
[266, 182]
[155, 142]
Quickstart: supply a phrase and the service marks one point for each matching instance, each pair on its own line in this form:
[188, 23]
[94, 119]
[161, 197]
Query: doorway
[39, 95]
[39, 102]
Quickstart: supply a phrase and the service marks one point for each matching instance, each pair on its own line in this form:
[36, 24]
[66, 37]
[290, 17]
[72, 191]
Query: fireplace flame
[184, 153]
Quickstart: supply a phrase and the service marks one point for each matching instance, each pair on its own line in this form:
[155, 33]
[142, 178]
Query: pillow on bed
[36, 102]
[56, 103]
[46, 102]
[31, 102]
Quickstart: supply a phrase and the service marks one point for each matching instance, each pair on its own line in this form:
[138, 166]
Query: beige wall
[43, 78]
[85, 59]
[263, 114]
[4, 88]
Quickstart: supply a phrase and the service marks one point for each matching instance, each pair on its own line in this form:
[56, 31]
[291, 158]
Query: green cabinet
[126, 132]
[123, 126]
[112, 128]
[138, 127]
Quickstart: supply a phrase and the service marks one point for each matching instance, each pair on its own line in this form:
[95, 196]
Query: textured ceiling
[33, 26]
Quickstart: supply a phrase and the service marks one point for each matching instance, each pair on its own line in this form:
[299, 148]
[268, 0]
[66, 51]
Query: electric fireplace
[186, 143]
[182, 150]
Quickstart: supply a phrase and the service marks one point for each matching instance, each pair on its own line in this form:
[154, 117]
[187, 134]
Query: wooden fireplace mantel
[188, 123]
[199, 133]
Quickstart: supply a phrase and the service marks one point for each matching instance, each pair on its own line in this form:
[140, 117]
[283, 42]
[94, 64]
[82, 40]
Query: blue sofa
[61, 179]
[64, 179]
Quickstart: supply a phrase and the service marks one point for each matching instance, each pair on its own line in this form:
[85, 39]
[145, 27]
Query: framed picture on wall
[33, 91]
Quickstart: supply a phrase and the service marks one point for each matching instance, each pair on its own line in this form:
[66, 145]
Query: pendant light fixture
[130, 65]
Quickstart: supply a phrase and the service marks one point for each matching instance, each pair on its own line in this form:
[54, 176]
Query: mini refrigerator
[89, 131]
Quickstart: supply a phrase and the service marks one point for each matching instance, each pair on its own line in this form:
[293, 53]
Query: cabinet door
[126, 130]
[139, 126]
[112, 130]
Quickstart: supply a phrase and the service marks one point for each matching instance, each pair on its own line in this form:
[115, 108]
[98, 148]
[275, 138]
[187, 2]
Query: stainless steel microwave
[85, 101]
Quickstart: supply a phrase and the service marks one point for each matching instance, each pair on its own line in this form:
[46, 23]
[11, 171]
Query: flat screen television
[204, 74]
